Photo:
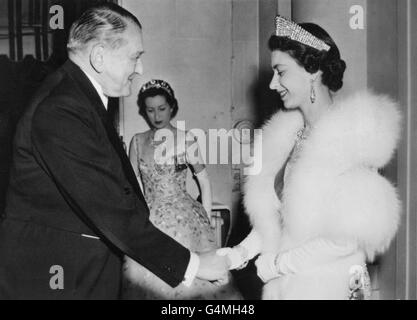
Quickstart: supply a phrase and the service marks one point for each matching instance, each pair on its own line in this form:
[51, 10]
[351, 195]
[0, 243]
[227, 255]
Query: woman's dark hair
[313, 60]
[153, 92]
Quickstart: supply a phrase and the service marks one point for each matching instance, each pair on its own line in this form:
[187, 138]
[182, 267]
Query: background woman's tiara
[288, 28]
[158, 84]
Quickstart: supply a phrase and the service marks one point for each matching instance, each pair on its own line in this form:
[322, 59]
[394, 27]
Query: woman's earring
[312, 92]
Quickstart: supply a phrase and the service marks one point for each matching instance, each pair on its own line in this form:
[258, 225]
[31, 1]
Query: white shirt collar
[99, 89]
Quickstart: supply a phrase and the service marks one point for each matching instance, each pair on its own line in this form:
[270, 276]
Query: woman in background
[319, 208]
[172, 209]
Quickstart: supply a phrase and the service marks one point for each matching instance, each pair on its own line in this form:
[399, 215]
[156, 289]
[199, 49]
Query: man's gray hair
[102, 23]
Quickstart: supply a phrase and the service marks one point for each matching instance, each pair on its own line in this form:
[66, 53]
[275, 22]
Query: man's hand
[213, 267]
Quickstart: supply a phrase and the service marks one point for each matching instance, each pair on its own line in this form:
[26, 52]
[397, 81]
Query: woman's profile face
[158, 111]
[290, 80]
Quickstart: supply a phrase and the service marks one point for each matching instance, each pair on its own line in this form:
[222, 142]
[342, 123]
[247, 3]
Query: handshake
[214, 265]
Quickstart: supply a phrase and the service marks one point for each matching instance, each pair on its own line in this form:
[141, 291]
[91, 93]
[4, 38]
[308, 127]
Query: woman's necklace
[153, 142]
[304, 132]
[302, 135]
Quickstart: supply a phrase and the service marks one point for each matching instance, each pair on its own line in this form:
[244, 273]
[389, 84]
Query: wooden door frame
[406, 276]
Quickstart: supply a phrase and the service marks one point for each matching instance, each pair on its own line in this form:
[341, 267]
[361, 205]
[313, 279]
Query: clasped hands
[214, 265]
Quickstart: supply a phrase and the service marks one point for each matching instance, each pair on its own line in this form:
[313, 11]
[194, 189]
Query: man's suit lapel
[88, 89]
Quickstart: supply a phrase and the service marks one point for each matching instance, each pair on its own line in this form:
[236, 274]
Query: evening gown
[181, 217]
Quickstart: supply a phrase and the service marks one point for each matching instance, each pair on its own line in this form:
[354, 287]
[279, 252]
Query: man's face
[122, 64]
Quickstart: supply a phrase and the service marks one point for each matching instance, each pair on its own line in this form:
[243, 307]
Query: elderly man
[74, 207]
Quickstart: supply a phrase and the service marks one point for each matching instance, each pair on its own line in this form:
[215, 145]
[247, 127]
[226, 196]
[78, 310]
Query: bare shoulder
[138, 139]
[140, 136]
[143, 134]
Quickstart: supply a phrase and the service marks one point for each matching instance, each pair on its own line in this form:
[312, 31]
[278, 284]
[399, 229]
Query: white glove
[237, 256]
[266, 267]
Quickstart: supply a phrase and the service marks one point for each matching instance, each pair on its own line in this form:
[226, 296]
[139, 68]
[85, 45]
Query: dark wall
[19, 79]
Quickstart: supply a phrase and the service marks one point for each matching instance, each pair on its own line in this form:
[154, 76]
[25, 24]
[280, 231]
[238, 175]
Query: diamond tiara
[158, 84]
[287, 28]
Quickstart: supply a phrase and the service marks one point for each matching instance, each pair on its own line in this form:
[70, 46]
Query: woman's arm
[311, 253]
[133, 156]
[195, 160]
[205, 186]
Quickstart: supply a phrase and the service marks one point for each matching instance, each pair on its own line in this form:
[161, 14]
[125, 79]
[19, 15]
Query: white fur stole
[333, 190]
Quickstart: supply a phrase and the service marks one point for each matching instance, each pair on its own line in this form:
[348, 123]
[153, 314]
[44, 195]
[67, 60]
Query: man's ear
[97, 57]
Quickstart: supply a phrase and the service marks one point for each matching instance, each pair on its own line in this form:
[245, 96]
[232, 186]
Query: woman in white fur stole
[334, 212]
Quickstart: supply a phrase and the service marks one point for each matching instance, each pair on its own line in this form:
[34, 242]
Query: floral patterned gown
[181, 217]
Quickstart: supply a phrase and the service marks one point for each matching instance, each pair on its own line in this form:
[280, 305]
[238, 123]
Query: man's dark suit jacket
[71, 180]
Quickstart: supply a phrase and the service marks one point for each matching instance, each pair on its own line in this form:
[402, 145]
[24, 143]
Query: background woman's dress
[181, 217]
